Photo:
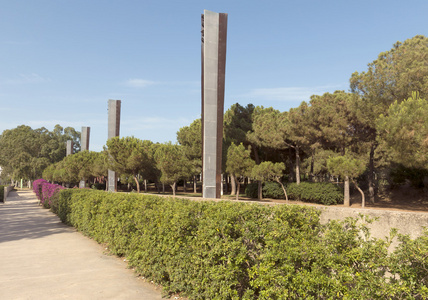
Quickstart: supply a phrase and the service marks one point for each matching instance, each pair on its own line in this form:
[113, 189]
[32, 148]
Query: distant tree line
[25, 152]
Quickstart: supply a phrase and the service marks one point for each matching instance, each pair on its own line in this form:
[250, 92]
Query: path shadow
[22, 218]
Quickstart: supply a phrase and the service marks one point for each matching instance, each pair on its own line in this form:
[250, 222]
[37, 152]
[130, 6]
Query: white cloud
[290, 93]
[27, 79]
[139, 83]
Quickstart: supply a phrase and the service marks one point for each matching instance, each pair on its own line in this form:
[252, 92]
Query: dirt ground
[404, 198]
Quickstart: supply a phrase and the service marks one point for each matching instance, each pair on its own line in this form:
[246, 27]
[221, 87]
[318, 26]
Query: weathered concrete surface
[411, 223]
[41, 258]
[113, 131]
[69, 149]
[214, 36]
[7, 190]
[84, 138]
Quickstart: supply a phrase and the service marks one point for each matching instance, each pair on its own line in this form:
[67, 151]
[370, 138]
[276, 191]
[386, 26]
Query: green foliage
[404, 130]
[129, 156]
[409, 267]
[227, 250]
[272, 190]
[325, 193]
[320, 158]
[393, 76]
[239, 162]
[251, 190]
[416, 176]
[73, 168]
[190, 137]
[26, 152]
[268, 170]
[345, 165]
[237, 122]
[172, 163]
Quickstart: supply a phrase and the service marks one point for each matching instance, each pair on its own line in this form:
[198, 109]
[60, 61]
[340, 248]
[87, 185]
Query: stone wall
[7, 191]
[411, 223]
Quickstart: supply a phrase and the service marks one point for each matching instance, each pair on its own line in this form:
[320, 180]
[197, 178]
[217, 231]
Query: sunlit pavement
[41, 258]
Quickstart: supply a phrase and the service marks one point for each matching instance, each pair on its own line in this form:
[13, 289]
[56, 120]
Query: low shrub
[273, 190]
[400, 175]
[46, 193]
[37, 187]
[99, 186]
[252, 190]
[230, 250]
[325, 193]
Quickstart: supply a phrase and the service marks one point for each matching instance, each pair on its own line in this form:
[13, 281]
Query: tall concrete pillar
[113, 131]
[84, 138]
[214, 35]
[69, 148]
[84, 145]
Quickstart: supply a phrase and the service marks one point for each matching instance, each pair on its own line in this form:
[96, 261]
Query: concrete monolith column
[69, 149]
[214, 35]
[84, 145]
[113, 131]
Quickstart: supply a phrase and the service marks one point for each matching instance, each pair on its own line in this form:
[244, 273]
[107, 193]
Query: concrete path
[42, 259]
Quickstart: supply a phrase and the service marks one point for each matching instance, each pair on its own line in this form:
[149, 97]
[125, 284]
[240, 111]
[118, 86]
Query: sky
[62, 60]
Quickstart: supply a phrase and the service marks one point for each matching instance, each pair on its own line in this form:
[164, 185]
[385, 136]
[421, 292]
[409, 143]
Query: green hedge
[315, 192]
[252, 190]
[234, 250]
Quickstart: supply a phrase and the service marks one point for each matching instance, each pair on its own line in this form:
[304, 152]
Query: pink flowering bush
[46, 192]
[37, 186]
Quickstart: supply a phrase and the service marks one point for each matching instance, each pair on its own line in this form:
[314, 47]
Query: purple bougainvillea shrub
[49, 191]
[37, 187]
[45, 191]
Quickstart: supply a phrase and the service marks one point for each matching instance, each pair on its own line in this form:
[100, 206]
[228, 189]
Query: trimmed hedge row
[325, 193]
[229, 250]
[315, 192]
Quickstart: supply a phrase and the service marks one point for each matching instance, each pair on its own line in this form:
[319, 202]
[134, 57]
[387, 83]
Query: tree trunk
[184, 186]
[283, 189]
[194, 184]
[297, 165]
[145, 185]
[291, 173]
[259, 190]
[371, 178]
[346, 200]
[233, 185]
[237, 190]
[256, 154]
[173, 188]
[138, 184]
[311, 174]
[363, 198]
[163, 188]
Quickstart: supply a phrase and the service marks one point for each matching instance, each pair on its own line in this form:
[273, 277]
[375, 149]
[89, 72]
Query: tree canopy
[172, 163]
[128, 156]
[26, 152]
[404, 130]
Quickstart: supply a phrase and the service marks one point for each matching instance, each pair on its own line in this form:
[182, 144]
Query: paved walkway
[41, 258]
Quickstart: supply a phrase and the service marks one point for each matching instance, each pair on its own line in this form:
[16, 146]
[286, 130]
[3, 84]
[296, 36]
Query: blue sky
[61, 60]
